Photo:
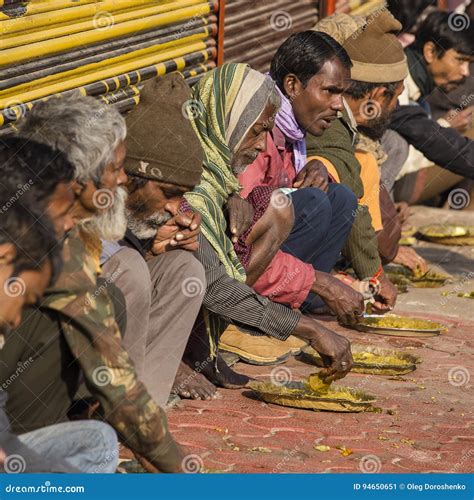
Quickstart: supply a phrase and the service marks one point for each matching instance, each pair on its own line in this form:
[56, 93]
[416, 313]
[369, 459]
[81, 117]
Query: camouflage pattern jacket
[94, 339]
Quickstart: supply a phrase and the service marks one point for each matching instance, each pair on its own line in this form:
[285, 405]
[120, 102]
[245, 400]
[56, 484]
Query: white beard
[146, 228]
[111, 224]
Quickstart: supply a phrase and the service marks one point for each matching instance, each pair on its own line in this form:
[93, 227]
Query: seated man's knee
[342, 198]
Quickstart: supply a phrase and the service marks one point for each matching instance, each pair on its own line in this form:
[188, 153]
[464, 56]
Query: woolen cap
[375, 51]
[161, 142]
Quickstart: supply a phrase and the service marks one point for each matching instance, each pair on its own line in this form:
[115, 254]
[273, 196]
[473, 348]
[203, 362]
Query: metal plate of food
[404, 277]
[447, 234]
[400, 326]
[299, 395]
[371, 360]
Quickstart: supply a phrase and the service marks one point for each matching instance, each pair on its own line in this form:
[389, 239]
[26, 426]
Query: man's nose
[68, 223]
[262, 143]
[338, 103]
[122, 178]
[465, 70]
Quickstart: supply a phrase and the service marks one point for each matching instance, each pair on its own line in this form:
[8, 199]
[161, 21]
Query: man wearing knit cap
[351, 148]
[154, 265]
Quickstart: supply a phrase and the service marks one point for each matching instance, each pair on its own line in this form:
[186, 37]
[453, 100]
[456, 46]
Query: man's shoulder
[338, 135]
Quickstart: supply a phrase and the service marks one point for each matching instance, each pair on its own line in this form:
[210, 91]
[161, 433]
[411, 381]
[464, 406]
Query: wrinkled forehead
[249, 103]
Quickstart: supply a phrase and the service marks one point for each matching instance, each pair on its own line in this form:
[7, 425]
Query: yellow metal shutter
[254, 30]
[104, 48]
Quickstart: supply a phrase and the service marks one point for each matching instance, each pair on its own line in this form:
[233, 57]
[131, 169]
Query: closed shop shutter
[254, 30]
[103, 48]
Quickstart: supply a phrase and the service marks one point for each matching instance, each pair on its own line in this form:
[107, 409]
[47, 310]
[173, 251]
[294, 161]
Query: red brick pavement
[426, 425]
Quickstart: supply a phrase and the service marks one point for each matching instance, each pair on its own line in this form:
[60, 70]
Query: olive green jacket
[337, 145]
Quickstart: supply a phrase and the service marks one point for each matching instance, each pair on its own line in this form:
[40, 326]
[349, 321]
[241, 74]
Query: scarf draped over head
[285, 120]
[226, 104]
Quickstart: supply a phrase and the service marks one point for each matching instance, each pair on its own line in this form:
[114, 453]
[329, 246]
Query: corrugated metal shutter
[254, 30]
[104, 48]
[358, 7]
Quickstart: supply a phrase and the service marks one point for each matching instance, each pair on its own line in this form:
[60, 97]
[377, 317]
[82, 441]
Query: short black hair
[304, 54]
[441, 28]
[408, 11]
[31, 233]
[32, 168]
[358, 90]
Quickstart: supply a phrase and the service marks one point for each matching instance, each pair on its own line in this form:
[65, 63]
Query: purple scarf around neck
[285, 120]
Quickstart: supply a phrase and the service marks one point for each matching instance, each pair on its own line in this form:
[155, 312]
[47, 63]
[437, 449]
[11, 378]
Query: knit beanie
[161, 142]
[375, 51]
[340, 26]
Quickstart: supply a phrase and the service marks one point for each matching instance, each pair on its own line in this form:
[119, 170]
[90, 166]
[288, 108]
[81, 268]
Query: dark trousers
[322, 224]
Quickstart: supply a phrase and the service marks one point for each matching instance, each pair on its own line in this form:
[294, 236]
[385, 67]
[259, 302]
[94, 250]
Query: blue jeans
[322, 225]
[86, 446]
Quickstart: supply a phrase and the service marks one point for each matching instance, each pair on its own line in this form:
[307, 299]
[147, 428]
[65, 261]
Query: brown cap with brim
[375, 51]
[161, 142]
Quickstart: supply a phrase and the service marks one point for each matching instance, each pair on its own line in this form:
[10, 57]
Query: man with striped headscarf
[235, 110]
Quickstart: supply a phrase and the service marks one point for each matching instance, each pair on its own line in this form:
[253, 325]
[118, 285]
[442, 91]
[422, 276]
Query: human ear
[7, 253]
[429, 52]
[292, 86]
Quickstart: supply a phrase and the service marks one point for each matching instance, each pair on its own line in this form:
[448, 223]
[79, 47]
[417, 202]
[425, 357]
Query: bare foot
[190, 384]
[223, 376]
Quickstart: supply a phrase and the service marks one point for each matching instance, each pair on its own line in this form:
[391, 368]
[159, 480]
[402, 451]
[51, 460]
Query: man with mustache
[163, 283]
[439, 156]
[76, 327]
[310, 71]
[351, 148]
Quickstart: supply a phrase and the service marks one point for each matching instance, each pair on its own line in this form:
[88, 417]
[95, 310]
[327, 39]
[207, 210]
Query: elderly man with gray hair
[74, 333]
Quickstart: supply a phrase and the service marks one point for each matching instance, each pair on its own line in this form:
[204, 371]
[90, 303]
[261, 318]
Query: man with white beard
[163, 283]
[74, 334]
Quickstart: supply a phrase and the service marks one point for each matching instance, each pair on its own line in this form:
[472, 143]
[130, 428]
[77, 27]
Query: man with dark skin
[311, 72]
[230, 300]
[93, 143]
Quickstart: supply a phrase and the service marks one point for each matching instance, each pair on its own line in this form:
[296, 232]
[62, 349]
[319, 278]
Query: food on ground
[400, 322]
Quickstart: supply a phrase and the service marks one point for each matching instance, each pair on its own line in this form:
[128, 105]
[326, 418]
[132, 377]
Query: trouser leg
[87, 445]
[322, 225]
[178, 286]
[129, 272]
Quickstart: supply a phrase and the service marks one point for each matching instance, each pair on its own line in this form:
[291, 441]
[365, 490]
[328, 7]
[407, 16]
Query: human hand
[460, 120]
[408, 257]
[314, 174]
[180, 232]
[345, 302]
[386, 296]
[241, 215]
